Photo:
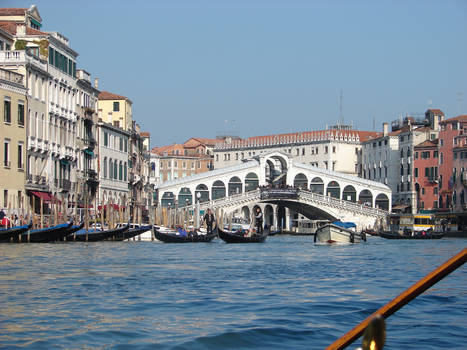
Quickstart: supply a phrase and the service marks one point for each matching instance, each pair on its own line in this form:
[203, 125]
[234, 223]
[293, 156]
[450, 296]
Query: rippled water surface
[287, 293]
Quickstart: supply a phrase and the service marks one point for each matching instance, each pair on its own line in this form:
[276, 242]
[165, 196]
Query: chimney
[435, 125]
[20, 30]
[385, 129]
[96, 83]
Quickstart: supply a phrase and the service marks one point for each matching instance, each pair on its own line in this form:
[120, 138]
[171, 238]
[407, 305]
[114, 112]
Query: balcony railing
[92, 174]
[89, 142]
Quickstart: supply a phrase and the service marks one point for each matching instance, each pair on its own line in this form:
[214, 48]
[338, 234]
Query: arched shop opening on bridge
[366, 198]
[251, 182]
[317, 185]
[202, 193]
[333, 190]
[235, 186]
[300, 181]
[168, 200]
[349, 194]
[218, 190]
[185, 197]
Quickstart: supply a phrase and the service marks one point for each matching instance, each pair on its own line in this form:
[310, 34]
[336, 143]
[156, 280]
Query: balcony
[21, 57]
[89, 143]
[463, 178]
[11, 76]
[432, 179]
[65, 185]
[91, 178]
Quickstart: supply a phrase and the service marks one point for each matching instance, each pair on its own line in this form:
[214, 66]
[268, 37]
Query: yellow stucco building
[13, 104]
[115, 109]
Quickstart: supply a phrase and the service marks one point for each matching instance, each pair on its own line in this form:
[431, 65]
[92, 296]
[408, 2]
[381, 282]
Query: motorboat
[338, 232]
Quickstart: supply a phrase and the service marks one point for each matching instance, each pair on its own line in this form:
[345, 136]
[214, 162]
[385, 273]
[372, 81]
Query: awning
[46, 197]
[89, 152]
[64, 162]
[400, 207]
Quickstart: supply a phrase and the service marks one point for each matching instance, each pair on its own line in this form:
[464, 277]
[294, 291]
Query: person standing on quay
[259, 221]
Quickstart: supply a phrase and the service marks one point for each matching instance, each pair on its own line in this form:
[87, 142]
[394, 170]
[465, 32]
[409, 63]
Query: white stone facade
[114, 146]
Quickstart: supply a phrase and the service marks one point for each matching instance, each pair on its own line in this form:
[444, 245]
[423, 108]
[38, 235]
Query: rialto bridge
[283, 189]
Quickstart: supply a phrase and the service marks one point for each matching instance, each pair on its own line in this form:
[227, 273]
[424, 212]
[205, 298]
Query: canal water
[287, 293]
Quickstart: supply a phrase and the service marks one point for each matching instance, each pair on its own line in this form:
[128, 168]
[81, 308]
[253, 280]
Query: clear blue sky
[268, 66]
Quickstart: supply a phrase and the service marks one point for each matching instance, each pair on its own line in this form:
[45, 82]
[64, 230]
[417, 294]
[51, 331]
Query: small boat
[341, 232]
[133, 232]
[181, 236]
[274, 232]
[370, 232]
[96, 235]
[73, 229]
[7, 233]
[416, 235]
[239, 236]
[44, 235]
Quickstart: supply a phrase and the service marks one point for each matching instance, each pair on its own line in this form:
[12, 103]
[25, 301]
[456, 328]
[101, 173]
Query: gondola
[175, 237]
[237, 237]
[73, 229]
[7, 233]
[274, 232]
[94, 235]
[129, 233]
[428, 235]
[43, 235]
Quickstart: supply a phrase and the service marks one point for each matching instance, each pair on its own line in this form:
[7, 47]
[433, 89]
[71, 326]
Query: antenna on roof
[341, 115]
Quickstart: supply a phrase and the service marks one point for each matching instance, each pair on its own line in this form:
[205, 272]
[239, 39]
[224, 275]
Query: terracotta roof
[10, 27]
[196, 141]
[144, 134]
[436, 111]
[459, 118]
[105, 95]
[12, 11]
[427, 143]
[334, 134]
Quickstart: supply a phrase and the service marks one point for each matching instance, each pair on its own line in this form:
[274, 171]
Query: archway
[167, 200]
[203, 191]
[218, 190]
[235, 186]
[349, 194]
[333, 190]
[281, 221]
[246, 213]
[276, 170]
[251, 182]
[366, 198]
[382, 201]
[317, 185]
[185, 197]
[300, 181]
[268, 215]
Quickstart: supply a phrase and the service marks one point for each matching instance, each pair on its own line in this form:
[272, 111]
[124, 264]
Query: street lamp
[198, 197]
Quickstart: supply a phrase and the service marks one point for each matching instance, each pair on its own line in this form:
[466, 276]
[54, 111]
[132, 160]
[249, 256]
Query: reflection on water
[286, 293]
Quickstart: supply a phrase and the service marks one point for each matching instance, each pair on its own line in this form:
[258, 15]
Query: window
[435, 190]
[333, 149]
[21, 113]
[116, 107]
[115, 170]
[120, 143]
[116, 123]
[441, 142]
[104, 175]
[416, 172]
[5, 198]
[6, 154]
[303, 151]
[106, 139]
[435, 154]
[416, 155]
[423, 190]
[326, 150]
[120, 171]
[441, 158]
[217, 157]
[111, 169]
[20, 156]
[125, 174]
[7, 110]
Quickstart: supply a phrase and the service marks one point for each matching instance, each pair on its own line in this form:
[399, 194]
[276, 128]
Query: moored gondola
[7, 233]
[130, 233]
[94, 235]
[73, 229]
[427, 235]
[43, 235]
[238, 237]
[175, 236]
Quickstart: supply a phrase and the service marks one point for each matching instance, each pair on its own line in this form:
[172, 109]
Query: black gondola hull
[98, 236]
[230, 237]
[392, 235]
[172, 238]
[7, 234]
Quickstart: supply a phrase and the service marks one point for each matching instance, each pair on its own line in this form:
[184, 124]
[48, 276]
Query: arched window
[125, 172]
[185, 197]
[203, 192]
[366, 198]
[168, 200]
[115, 170]
[120, 171]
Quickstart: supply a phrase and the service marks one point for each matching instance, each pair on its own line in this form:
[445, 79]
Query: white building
[333, 149]
[113, 159]
[389, 159]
